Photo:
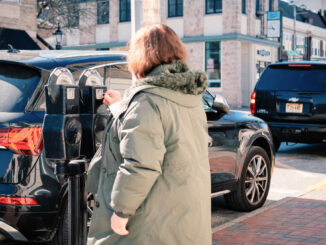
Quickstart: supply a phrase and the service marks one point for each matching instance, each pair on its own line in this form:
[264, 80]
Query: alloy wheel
[256, 181]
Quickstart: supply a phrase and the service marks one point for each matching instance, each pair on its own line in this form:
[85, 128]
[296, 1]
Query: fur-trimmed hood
[177, 77]
[173, 81]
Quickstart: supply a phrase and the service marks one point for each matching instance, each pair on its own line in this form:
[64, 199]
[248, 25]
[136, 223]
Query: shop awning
[19, 39]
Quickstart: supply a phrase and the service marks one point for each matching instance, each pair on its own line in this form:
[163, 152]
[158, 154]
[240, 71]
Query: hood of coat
[174, 81]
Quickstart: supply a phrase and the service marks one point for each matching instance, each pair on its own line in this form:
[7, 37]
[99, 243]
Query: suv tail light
[18, 201]
[253, 103]
[26, 141]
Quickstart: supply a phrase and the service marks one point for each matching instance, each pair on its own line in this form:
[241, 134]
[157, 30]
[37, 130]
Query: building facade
[225, 38]
[20, 15]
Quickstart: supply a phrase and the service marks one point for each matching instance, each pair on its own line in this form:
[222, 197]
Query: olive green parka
[154, 164]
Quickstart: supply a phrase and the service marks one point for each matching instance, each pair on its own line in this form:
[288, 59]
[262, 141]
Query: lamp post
[58, 37]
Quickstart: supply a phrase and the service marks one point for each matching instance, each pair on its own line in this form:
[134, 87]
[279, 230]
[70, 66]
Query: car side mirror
[220, 104]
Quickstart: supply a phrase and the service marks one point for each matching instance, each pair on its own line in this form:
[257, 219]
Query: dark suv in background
[291, 98]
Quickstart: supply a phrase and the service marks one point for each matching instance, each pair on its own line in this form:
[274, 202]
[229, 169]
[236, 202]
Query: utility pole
[136, 16]
[294, 27]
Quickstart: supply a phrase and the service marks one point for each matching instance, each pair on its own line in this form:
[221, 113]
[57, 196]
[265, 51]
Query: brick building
[19, 15]
[225, 38]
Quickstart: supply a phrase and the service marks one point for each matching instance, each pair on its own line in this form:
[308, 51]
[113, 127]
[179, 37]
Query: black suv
[291, 98]
[33, 202]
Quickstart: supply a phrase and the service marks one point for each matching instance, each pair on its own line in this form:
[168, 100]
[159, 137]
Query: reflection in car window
[17, 84]
[118, 77]
[207, 100]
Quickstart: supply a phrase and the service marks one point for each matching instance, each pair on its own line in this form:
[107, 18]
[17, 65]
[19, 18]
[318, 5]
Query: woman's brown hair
[154, 45]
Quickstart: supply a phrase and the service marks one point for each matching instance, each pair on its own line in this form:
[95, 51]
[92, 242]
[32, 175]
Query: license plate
[294, 108]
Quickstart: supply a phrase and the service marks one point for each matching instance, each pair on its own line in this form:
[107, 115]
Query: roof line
[224, 37]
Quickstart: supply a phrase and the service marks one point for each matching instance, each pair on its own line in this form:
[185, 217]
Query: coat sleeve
[142, 148]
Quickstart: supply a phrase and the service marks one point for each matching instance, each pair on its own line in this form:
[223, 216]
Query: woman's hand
[119, 224]
[111, 97]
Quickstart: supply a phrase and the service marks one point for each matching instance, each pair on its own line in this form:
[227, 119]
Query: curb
[263, 209]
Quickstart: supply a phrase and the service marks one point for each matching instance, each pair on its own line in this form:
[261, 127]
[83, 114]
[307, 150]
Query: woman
[154, 185]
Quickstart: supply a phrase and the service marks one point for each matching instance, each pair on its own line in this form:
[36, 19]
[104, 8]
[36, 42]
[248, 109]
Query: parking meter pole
[74, 171]
[73, 209]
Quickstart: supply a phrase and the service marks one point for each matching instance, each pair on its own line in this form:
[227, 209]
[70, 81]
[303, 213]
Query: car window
[285, 78]
[115, 77]
[17, 84]
[208, 100]
[118, 77]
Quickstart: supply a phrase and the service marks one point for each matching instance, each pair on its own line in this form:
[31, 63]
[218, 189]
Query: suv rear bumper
[295, 132]
[10, 232]
[28, 226]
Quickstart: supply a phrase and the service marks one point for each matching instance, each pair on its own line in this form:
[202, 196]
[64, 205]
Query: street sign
[273, 15]
[293, 52]
[273, 24]
[301, 46]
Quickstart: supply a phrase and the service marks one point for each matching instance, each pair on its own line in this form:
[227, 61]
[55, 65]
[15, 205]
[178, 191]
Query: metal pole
[73, 209]
[294, 27]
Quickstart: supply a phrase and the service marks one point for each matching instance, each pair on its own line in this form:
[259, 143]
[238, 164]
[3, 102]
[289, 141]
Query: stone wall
[151, 12]
[231, 72]
[88, 22]
[231, 16]
[193, 12]
[20, 16]
[114, 20]
[196, 55]
[251, 17]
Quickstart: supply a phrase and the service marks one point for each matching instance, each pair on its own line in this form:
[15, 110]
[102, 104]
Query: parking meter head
[61, 93]
[92, 91]
[62, 128]
[62, 136]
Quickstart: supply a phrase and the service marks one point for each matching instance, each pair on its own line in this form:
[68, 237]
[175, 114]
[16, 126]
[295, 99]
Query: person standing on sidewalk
[154, 184]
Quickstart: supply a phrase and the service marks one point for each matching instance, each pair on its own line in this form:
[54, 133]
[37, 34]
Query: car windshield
[17, 84]
[301, 78]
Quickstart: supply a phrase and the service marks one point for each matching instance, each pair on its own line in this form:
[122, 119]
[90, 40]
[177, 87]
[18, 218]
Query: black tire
[61, 236]
[277, 143]
[251, 182]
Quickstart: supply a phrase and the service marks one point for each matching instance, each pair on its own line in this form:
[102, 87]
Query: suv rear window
[285, 78]
[17, 84]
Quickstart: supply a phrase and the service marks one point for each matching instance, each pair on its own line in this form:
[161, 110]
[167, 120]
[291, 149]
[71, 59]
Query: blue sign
[273, 15]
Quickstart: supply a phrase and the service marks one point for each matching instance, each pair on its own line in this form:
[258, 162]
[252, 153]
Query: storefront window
[213, 63]
[213, 6]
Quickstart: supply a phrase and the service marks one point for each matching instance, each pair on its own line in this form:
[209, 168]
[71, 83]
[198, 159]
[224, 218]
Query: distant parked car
[33, 202]
[291, 98]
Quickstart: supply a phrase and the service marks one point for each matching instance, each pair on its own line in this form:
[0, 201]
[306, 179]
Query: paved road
[299, 168]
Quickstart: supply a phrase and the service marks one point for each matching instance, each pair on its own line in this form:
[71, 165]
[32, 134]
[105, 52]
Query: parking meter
[62, 128]
[62, 135]
[92, 110]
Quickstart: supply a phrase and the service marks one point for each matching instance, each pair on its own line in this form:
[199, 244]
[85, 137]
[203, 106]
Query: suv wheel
[61, 236]
[253, 186]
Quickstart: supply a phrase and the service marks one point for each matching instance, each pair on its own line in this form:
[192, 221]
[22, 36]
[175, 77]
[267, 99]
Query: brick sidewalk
[300, 220]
